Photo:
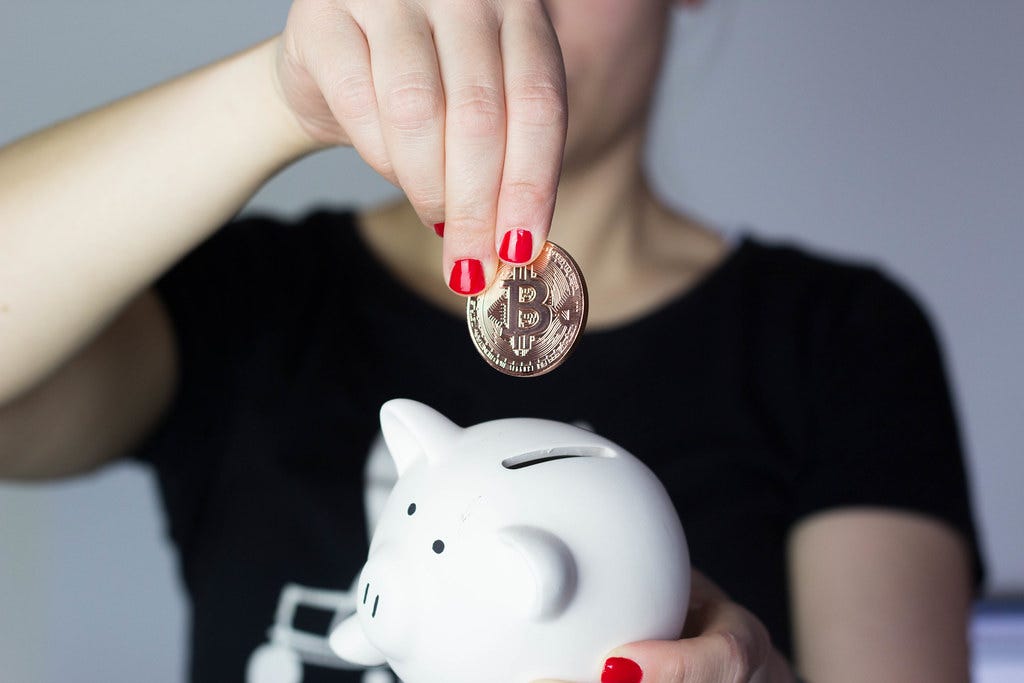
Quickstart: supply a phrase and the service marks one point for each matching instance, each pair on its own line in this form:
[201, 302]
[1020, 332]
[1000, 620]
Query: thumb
[622, 666]
[706, 659]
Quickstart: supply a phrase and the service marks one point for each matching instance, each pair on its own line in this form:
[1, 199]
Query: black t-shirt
[781, 385]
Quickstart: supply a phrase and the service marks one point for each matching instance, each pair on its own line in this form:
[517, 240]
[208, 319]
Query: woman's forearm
[93, 209]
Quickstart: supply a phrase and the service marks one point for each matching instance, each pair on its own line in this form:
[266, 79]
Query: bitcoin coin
[531, 317]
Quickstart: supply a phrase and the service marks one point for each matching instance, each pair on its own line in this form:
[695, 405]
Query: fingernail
[467, 276]
[439, 229]
[516, 246]
[621, 670]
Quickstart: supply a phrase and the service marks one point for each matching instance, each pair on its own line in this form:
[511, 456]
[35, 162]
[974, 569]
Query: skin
[464, 105]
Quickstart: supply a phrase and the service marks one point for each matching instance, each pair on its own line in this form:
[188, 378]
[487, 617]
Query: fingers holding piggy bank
[513, 550]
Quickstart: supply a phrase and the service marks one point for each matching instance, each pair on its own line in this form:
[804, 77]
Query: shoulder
[260, 249]
[791, 266]
[261, 235]
[831, 294]
[848, 340]
[317, 228]
[257, 275]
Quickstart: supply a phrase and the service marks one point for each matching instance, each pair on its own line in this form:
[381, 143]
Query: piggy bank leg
[274, 663]
[349, 642]
[381, 675]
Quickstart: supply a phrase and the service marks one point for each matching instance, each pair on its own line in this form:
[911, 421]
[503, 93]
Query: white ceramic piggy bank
[513, 550]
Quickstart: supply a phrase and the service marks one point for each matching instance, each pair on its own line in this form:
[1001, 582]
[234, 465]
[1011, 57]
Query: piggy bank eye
[438, 546]
[412, 509]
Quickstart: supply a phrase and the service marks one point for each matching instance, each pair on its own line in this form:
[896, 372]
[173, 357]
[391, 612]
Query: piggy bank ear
[415, 432]
[536, 571]
[348, 641]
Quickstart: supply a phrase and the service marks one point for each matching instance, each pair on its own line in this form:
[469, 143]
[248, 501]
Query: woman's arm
[93, 209]
[98, 404]
[879, 595]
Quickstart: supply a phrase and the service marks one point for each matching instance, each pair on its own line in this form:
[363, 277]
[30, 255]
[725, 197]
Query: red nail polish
[467, 276]
[621, 670]
[439, 229]
[516, 246]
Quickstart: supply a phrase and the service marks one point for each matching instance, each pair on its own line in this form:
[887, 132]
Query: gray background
[890, 131]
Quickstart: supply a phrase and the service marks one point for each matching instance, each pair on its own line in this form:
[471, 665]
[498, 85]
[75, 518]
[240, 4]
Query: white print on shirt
[281, 659]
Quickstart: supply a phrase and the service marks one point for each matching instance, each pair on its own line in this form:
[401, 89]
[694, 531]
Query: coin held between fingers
[530, 319]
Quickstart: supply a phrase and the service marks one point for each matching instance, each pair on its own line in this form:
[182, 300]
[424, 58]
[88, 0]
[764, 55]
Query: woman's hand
[459, 103]
[722, 643]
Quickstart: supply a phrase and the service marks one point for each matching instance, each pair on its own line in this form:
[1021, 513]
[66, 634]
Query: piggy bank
[510, 551]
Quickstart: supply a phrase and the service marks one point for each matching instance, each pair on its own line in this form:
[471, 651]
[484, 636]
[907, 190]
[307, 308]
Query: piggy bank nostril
[376, 599]
[366, 592]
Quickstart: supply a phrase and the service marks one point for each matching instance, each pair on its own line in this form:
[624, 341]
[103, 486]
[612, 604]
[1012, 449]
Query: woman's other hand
[461, 104]
[722, 643]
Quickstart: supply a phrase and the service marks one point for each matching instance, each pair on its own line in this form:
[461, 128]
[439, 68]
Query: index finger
[537, 119]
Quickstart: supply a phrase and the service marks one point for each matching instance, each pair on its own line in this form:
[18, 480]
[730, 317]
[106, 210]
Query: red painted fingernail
[621, 670]
[467, 276]
[439, 229]
[516, 246]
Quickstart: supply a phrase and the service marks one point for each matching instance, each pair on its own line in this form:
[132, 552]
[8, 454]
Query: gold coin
[529, 320]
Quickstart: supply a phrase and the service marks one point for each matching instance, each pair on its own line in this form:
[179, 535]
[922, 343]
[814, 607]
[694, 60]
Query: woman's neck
[634, 251]
[600, 210]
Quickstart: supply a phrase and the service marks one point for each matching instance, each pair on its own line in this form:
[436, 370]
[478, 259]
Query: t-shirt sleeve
[882, 424]
[238, 297]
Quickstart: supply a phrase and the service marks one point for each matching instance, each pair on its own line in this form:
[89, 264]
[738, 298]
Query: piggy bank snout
[385, 600]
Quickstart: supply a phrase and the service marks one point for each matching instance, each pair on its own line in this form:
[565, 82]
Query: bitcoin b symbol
[528, 312]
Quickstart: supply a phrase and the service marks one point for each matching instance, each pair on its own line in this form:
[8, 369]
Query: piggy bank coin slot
[518, 462]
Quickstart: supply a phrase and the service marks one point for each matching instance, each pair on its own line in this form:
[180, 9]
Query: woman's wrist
[274, 125]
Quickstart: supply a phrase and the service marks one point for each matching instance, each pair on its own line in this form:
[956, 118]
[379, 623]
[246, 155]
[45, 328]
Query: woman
[795, 408]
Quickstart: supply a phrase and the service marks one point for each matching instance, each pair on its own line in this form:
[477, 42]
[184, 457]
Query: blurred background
[885, 131]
